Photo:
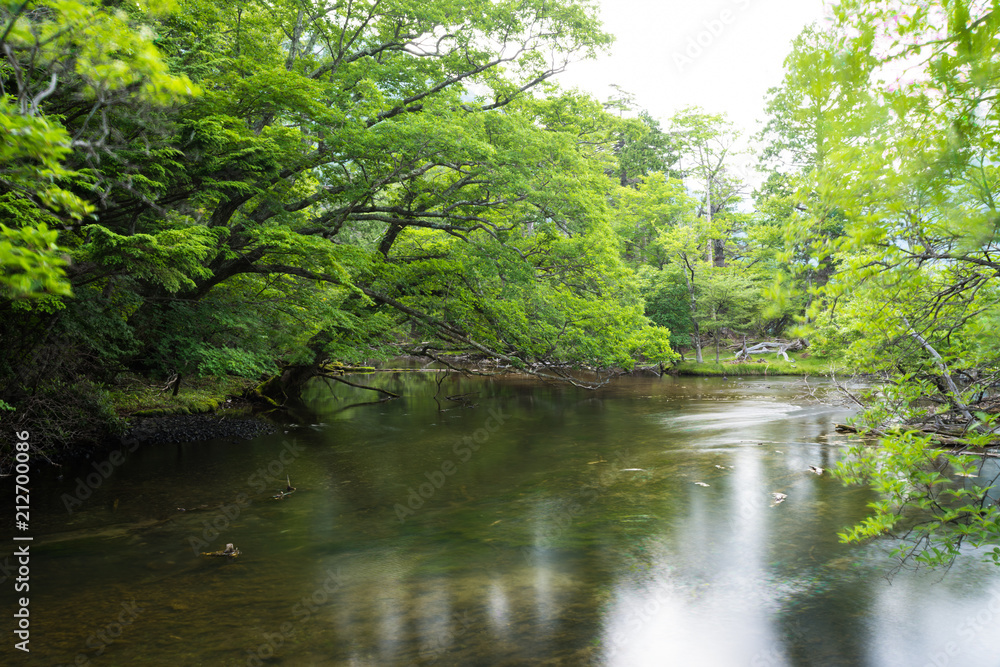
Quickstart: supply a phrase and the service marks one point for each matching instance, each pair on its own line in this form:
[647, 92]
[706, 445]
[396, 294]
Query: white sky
[658, 58]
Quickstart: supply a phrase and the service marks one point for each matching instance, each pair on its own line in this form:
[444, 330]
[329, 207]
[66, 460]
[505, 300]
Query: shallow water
[542, 525]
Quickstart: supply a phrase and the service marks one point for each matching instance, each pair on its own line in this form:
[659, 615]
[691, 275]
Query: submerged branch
[386, 393]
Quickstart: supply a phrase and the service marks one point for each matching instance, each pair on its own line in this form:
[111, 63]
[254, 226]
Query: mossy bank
[83, 419]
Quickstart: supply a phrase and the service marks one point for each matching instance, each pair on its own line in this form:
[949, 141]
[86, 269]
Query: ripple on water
[735, 415]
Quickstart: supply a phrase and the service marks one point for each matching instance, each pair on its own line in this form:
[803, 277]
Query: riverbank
[79, 421]
[161, 430]
[204, 408]
[799, 364]
[86, 419]
[134, 397]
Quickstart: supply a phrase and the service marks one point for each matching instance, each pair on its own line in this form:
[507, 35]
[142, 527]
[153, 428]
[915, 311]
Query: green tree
[641, 147]
[707, 144]
[667, 302]
[353, 177]
[817, 112]
[685, 244]
[915, 261]
[728, 299]
[646, 211]
[54, 52]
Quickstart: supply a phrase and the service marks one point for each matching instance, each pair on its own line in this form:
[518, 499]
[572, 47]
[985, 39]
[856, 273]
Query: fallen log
[940, 438]
[771, 347]
[229, 552]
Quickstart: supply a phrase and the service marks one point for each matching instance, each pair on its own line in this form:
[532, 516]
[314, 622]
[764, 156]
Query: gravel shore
[189, 428]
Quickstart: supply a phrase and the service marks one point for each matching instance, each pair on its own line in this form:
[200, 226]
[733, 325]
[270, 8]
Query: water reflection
[635, 526]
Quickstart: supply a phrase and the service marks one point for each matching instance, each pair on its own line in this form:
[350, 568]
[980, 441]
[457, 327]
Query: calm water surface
[633, 526]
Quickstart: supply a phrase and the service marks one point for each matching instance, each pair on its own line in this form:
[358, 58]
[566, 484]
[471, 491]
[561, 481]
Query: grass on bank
[136, 397]
[75, 419]
[763, 365]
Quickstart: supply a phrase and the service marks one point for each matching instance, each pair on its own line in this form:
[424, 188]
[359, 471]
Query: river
[522, 525]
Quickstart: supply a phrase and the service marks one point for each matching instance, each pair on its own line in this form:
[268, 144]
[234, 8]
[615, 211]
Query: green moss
[202, 406]
[341, 368]
[135, 397]
[155, 412]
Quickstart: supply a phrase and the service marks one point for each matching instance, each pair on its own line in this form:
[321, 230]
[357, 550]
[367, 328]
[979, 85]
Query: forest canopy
[197, 188]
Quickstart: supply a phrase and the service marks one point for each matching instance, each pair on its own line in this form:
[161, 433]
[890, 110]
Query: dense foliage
[241, 189]
[207, 189]
[888, 125]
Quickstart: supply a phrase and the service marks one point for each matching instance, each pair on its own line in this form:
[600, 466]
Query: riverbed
[513, 524]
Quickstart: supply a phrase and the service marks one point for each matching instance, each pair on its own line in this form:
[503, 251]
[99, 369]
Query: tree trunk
[385, 245]
[718, 252]
[696, 338]
[708, 216]
[286, 385]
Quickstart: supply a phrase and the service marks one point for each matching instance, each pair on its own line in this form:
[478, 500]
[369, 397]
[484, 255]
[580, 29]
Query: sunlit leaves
[107, 48]
[927, 498]
[893, 108]
[390, 147]
[173, 259]
[98, 50]
[30, 263]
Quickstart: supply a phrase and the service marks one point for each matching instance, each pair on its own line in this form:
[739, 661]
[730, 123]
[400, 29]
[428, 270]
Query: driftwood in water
[229, 552]
[772, 347]
[952, 427]
[286, 386]
[289, 490]
[384, 392]
[940, 436]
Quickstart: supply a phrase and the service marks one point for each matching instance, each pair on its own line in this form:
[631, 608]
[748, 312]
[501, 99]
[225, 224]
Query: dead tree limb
[337, 378]
[775, 347]
[956, 398]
